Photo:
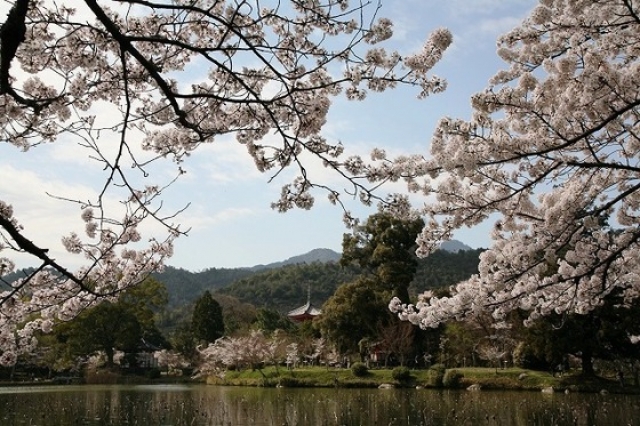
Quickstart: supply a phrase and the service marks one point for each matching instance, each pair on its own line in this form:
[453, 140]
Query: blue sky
[231, 221]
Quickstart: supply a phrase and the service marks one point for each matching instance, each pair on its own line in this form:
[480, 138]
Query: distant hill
[185, 286]
[283, 285]
[454, 246]
[444, 268]
[322, 255]
[287, 287]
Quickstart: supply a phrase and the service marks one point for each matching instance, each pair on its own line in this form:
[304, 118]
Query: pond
[211, 405]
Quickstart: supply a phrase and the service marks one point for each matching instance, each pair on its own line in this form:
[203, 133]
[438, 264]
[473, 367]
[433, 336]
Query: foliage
[401, 374]
[353, 313]
[106, 327]
[146, 301]
[452, 379]
[459, 343]
[207, 323]
[270, 320]
[384, 246]
[442, 269]
[127, 325]
[359, 369]
[171, 361]
[175, 323]
[183, 340]
[184, 287]
[238, 316]
[251, 351]
[436, 375]
[603, 333]
[398, 339]
[382, 250]
[114, 82]
[280, 288]
[286, 288]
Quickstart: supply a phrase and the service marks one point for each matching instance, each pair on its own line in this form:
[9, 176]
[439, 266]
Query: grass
[487, 378]
[510, 378]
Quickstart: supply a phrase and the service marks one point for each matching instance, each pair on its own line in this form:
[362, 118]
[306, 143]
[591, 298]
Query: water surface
[211, 405]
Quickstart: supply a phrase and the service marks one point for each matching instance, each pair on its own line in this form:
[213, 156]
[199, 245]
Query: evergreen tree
[207, 323]
[385, 246]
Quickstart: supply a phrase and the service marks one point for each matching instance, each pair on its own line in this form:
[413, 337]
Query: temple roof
[305, 311]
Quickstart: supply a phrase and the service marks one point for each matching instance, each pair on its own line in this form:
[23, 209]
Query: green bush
[436, 375]
[359, 369]
[452, 379]
[401, 374]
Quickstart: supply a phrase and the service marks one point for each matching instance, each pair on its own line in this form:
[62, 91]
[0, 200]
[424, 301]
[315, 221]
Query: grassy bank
[459, 378]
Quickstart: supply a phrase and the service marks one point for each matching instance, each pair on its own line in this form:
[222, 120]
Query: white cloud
[43, 217]
[222, 162]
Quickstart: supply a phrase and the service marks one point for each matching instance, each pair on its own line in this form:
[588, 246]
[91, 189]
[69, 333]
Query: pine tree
[207, 323]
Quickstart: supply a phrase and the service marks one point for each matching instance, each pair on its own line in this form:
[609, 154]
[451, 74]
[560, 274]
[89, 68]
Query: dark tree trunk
[109, 352]
[587, 363]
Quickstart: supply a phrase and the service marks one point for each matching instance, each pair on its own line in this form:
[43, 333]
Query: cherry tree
[249, 351]
[171, 360]
[551, 154]
[173, 75]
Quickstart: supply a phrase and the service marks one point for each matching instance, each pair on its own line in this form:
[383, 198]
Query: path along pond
[235, 406]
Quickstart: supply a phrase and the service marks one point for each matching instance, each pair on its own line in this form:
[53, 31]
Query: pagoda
[305, 312]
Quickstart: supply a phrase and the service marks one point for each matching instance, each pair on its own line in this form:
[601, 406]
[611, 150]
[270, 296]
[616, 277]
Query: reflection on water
[209, 405]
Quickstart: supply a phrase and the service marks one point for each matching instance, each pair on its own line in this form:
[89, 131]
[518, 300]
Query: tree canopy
[356, 311]
[551, 149]
[384, 246]
[253, 70]
[207, 323]
[286, 288]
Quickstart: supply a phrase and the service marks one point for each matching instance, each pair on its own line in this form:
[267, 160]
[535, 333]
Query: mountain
[454, 246]
[184, 286]
[286, 287]
[322, 255]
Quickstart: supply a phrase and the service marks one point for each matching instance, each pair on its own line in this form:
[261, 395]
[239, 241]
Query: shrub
[452, 379]
[401, 374]
[359, 369]
[436, 375]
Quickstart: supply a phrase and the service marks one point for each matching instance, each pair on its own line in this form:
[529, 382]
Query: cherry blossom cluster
[171, 360]
[256, 349]
[551, 155]
[242, 351]
[254, 70]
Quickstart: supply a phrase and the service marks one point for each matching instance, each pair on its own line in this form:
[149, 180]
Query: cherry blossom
[254, 69]
[550, 155]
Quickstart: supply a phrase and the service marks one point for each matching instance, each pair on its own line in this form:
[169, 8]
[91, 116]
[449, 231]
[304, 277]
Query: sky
[229, 215]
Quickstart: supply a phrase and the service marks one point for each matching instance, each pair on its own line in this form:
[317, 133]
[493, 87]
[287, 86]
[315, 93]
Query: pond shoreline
[483, 379]
[511, 379]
